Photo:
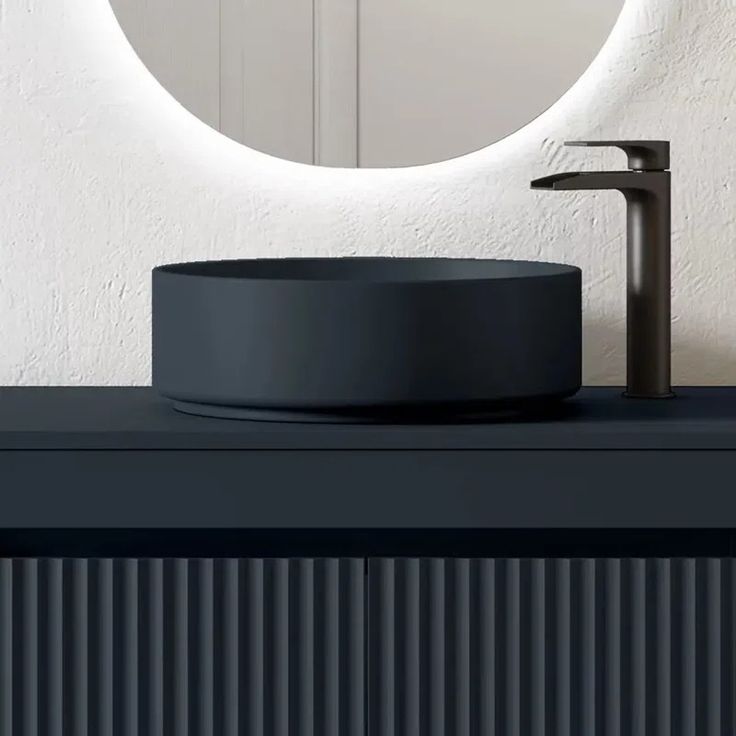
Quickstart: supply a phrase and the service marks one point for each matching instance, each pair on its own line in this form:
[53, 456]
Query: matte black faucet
[646, 187]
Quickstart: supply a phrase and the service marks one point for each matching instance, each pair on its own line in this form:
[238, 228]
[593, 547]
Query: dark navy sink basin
[365, 339]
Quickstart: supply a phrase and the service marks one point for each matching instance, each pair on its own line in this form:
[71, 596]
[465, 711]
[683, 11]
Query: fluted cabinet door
[417, 647]
[552, 647]
[179, 647]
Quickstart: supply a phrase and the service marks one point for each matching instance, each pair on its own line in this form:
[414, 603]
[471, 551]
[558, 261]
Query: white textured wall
[103, 176]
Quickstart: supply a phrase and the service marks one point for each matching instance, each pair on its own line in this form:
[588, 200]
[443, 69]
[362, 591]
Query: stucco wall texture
[103, 176]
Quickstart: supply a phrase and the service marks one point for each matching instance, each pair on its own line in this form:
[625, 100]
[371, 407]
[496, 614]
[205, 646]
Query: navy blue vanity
[168, 574]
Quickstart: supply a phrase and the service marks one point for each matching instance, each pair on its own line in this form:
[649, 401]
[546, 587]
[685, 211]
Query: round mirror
[367, 82]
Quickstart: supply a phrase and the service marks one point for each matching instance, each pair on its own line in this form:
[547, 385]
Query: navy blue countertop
[121, 458]
[136, 418]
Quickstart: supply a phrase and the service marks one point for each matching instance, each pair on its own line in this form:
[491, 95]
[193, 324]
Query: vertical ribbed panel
[182, 647]
[6, 647]
[307, 647]
[552, 647]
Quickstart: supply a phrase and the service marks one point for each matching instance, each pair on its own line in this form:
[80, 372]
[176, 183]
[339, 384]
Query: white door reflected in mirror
[367, 82]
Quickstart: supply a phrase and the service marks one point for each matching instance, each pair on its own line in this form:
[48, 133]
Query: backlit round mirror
[367, 82]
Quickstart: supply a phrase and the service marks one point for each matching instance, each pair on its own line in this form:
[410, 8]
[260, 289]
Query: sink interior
[399, 270]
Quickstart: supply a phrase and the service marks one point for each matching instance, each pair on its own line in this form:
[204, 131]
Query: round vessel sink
[365, 339]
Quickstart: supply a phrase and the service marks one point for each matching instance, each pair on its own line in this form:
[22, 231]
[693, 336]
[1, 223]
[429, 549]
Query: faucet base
[666, 395]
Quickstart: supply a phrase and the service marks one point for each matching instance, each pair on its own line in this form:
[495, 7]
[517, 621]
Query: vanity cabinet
[168, 574]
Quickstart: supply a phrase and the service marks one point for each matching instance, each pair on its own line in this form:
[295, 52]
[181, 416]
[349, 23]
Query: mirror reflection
[367, 82]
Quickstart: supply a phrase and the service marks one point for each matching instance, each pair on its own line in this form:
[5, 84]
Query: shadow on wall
[694, 362]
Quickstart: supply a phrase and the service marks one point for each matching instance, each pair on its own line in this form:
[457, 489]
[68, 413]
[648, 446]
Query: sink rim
[426, 270]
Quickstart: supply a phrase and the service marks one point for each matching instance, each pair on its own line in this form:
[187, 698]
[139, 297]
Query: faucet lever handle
[643, 155]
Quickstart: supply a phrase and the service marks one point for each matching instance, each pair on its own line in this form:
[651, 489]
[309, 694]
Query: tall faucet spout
[623, 181]
[647, 193]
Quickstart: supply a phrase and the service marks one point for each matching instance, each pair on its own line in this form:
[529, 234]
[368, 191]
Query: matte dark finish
[647, 192]
[136, 418]
[411, 646]
[279, 578]
[120, 458]
[174, 646]
[364, 489]
[535, 647]
[642, 155]
[365, 339]
[366, 591]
